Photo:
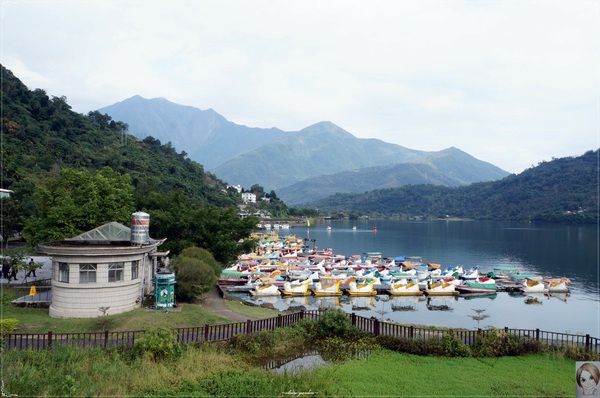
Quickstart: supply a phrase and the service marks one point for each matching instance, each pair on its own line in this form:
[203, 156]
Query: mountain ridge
[276, 159]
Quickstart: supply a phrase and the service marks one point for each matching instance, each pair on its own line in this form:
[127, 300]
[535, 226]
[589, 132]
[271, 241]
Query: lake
[547, 250]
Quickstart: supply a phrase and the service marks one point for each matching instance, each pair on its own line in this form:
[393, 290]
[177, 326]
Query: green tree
[196, 272]
[74, 201]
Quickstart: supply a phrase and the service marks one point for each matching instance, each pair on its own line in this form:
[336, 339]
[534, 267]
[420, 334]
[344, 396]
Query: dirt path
[215, 303]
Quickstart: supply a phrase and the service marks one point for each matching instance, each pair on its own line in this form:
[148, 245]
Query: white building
[111, 266]
[249, 197]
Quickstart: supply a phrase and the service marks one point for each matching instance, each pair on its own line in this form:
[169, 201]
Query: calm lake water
[546, 250]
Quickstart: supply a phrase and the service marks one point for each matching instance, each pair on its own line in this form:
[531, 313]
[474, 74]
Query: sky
[512, 83]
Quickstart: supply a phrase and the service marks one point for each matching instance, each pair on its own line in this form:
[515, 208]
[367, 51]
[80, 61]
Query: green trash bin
[164, 291]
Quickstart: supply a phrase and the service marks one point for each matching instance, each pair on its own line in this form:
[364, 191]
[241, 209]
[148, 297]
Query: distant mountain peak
[324, 126]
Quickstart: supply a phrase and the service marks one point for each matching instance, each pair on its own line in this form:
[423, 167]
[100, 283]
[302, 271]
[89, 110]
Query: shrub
[455, 347]
[337, 349]
[196, 272]
[412, 346]
[309, 327]
[334, 322]
[8, 325]
[496, 343]
[253, 343]
[158, 344]
[580, 354]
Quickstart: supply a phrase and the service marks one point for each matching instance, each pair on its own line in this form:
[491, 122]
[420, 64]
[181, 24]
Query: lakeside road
[215, 303]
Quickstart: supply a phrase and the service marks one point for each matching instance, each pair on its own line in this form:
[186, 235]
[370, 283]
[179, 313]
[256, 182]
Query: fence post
[302, 313]
[411, 331]
[537, 334]
[248, 326]
[376, 328]
[105, 338]
[279, 320]
[353, 318]
[206, 328]
[588, 342]
[49, 340]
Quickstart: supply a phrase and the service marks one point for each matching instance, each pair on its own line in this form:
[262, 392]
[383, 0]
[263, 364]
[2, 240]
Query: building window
[63, 272]
[115, 272]
[134, 269]
[87, 273]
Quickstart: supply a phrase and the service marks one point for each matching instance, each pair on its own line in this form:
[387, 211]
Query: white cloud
[507, 81]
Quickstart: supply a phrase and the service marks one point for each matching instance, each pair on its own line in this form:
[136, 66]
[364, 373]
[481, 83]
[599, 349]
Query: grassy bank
[231, 370]
[209, 371]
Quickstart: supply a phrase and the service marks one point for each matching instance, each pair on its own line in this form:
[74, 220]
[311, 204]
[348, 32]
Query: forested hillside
[40, 133]
[42, 136]
[561, 190]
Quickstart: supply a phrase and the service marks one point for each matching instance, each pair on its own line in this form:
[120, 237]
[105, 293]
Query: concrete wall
[83, 300]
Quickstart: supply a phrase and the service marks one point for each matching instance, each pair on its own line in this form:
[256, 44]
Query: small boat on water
[471, 274]
[267, 289]
[327, 288]
[557, 285]
[296, 288]
[484, 285]
[441, 288]
[364, 289]
[533, 286]
[404, 287]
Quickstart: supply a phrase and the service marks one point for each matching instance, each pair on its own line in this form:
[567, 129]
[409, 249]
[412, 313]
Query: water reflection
[440, 303]
[559, 296]
[475, 296]
[399, 303]
[297, 301]
[535, 299]
[296, 365]
[328, 302]
[362, 303]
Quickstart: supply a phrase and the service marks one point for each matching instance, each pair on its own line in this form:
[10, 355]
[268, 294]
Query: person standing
[13, 270]
[5, 268]
[31, 268]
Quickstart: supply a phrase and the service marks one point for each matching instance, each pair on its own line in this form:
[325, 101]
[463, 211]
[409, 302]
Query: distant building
[249, 197]
[110, 266]
[5, 193]
[262, 214]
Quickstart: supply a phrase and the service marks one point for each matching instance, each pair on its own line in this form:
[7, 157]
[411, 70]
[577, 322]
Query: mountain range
[303, 166]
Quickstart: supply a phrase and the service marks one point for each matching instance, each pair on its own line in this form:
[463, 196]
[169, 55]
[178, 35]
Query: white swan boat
[404, 287]
[329, 288]
[265, 289]
[533, 286]
[363, 289]
[557, 285]
[441, 288]
[296, 288]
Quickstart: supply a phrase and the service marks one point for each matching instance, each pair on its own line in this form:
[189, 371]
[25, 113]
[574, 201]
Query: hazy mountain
[277, 160]
[206, 137]
[323, 148]
[563, 190]
[450, 167]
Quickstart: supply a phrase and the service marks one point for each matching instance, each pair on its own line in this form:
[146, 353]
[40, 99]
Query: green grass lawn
[37, 320]
[388, 374]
